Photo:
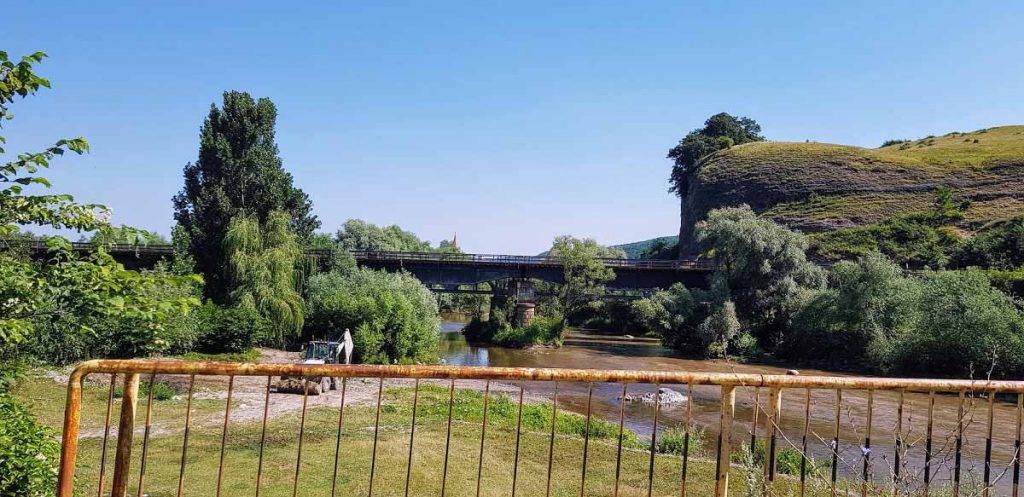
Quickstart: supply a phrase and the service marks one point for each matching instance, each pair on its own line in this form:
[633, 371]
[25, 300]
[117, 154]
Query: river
[598, 354]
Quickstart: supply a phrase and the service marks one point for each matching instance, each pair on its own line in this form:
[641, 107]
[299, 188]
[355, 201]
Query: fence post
[125, 432]
[728, 410]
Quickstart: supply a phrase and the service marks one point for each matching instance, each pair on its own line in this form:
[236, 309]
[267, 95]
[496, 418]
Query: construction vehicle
[318, 352]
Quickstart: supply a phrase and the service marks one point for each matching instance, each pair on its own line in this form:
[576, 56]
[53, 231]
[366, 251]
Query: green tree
[357, 234]
[585, 275]
[763, 267]
[720, 132]
[238, 171]
[126, 235]
[968, 328]
[68, 288]
[868, 306]
[261, 262]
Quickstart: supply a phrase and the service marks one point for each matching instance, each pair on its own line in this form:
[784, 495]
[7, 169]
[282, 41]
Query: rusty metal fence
[831, 435]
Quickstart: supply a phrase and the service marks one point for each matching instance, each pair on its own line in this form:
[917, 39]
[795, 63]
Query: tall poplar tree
[238, 170]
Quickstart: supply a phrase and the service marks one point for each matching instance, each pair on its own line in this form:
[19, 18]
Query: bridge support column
[524, 313]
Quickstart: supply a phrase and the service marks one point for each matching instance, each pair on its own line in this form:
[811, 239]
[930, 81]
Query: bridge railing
[446, 430]
[699, 264]
[388, 256]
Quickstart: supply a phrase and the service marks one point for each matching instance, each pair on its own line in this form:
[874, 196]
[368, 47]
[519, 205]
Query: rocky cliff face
[814, 187]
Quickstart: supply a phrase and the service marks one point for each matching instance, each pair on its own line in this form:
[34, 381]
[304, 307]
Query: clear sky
[507, 122]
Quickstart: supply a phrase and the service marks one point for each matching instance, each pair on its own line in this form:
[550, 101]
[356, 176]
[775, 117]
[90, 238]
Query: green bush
[231, 329]
[161, 390]
[914, 242]
[868, 305]
[673, 441]
[392, 316]
[872, 316]
[171, 330]
[542, 330]
[1000, 246]
[966, 327]
[787, 459]
[28, 452]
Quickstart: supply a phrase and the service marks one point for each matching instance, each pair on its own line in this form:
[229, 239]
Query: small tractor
[318, 352]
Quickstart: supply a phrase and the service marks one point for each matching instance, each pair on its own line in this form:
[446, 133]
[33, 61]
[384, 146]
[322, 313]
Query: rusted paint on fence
[728, 383]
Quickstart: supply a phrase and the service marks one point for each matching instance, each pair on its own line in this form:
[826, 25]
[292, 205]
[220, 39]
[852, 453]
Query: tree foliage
[720, 131]
[868, 306]
[261, 262]
[392, 316]
[762, 266]
[238, 171]
[1000, 246]
[584, 274]
[357, 234]
[68, 289]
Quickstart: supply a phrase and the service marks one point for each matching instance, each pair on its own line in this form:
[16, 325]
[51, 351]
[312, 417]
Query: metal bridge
[452, 271]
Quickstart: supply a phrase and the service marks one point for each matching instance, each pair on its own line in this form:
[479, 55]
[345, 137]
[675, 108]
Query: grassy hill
[817, 186]
[634, 250]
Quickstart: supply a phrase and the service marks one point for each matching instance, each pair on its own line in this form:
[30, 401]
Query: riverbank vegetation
[868, 314]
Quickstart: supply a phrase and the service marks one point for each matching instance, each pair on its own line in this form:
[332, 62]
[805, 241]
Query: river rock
[668, 397]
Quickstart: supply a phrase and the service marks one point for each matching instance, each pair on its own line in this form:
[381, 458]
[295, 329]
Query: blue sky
[507, 122]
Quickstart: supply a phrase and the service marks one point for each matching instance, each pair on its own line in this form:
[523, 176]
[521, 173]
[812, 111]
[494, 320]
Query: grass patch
[161, 390]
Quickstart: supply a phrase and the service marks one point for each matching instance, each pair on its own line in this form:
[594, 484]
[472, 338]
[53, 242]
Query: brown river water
[591, 354]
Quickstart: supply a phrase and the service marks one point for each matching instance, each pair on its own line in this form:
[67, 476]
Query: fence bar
[686, 438]
[376, 431]
[803, 442]
[519, 429]
[928, 443]
[1016, 446]
[728, 382]
[302, 428]
[106, 435]
[263, 437]
[959, 444]
[125, 433]
[551, 444]
[586, 440]
[835, 441]
[988, 444]
[865, 477]
[654, 440]
[774, 418]
[448, 436]
[898, 445]
[753, 419]
[337, 441]
[184, 442]
[224, 434]
[412, 432]
[618, 451]
[727, 412]
[483, 437]
[145, 435]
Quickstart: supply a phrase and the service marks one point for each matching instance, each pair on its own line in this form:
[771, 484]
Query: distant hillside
[817, 186]
[635, 249]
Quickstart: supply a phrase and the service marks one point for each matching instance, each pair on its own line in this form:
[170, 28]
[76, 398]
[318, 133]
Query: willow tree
[261, 268]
